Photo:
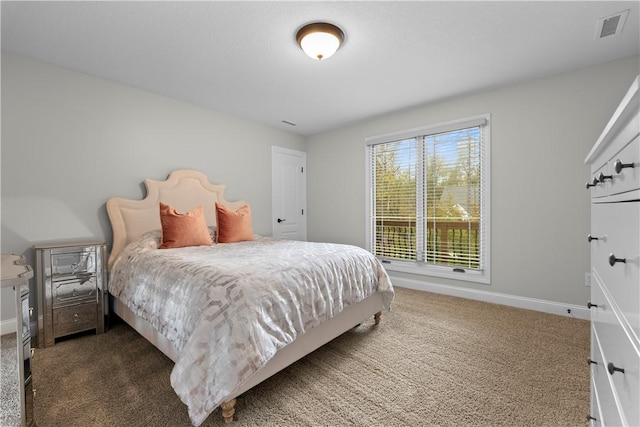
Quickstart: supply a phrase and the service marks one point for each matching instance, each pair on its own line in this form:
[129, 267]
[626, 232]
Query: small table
[16, 274]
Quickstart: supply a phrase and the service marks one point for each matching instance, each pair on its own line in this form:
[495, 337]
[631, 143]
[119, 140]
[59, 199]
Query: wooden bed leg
[228, 410]
[376, 317]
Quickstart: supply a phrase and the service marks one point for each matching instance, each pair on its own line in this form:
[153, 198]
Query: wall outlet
[587, 279]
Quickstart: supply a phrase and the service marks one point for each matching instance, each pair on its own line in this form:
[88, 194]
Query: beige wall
[541, 131]
[71, 141]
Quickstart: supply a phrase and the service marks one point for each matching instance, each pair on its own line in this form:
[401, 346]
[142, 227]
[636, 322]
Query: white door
[289, 193]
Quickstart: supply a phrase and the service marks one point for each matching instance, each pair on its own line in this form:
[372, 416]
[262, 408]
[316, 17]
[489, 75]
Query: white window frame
[481, 275]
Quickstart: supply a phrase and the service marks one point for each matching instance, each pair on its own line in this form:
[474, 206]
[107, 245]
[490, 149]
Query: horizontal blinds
[427, 194]
[394, 207]
[452, 195]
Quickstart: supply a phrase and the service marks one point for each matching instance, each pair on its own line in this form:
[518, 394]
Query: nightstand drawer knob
[76, 318]
[613, 260]
[613, 369]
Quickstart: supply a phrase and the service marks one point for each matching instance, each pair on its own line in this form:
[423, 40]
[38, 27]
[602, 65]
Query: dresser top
[69, 244]
[14, 270]
[628, 106]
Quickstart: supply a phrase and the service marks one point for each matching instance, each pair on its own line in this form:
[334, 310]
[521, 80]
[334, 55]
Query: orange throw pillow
[181, 230]
[234, 226]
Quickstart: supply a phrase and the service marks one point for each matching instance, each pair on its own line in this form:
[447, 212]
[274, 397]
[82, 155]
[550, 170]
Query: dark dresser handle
[613, 368]
[592, 183]
[602, 177]
[590, 418]
[591, 362]
[589, 305]
[613, 260]
[618, 166]
[590, 238]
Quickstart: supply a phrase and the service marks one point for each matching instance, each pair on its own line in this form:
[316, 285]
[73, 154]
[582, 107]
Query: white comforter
[227, 308]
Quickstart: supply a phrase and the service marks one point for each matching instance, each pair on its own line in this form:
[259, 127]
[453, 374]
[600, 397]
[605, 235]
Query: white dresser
[615, 267]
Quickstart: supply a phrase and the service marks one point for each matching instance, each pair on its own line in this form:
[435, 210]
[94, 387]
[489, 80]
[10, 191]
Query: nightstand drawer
[75, 318]
[74, 260]
[73, 290]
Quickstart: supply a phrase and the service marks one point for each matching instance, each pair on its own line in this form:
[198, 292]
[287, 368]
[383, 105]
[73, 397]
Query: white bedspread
[227, 308]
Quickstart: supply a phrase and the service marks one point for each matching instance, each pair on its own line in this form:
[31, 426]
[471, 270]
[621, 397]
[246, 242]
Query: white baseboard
[8, 326]
[562, 309]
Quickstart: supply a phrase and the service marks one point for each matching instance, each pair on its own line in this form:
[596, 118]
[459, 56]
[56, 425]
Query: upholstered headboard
[183, 189]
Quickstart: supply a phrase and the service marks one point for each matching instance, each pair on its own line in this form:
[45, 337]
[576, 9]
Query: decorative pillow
[234, 226]
[180, 230]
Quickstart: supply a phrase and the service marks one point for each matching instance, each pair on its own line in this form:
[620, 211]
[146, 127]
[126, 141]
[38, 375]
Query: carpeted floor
[9, 382]
[434, 360]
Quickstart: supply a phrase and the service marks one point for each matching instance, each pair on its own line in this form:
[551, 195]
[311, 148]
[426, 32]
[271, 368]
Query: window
[428, 199]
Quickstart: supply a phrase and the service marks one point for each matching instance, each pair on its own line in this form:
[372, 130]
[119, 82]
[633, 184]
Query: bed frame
[184, 190]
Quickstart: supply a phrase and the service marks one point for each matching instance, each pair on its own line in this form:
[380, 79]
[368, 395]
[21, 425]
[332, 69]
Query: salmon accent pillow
[234, 226]
[181, 230]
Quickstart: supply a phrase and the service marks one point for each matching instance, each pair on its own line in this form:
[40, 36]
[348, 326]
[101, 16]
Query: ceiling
[241, 58]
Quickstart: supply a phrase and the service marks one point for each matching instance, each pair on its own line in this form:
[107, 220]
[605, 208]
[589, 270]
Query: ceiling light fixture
[320, 40]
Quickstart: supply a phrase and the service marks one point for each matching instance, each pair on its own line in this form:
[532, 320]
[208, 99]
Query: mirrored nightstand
[72, 289]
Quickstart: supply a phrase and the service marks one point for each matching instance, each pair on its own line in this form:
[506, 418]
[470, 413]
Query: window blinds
[427, 195]
[394, 194]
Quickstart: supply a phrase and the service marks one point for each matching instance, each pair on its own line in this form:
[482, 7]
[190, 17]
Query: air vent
[611, 25]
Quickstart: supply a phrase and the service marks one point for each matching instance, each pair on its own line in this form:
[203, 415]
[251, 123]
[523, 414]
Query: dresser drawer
[595, 413]
[75, 318]
[620, 349]
[73, 290]
[617, 135]
[622, 279]
[624, 177]
[604, 403]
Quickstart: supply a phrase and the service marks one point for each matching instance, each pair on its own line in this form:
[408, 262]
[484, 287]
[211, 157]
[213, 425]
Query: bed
[230, 315]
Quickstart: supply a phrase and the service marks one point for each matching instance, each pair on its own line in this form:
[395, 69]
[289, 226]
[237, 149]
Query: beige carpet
[9, 382]
[434, 360]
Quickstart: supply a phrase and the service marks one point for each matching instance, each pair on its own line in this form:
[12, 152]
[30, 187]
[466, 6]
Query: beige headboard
[183, 189]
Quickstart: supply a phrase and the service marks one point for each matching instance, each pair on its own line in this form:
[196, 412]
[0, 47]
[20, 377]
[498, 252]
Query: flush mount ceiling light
[320, 40]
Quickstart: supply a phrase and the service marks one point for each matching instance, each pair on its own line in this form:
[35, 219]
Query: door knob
[281, 220]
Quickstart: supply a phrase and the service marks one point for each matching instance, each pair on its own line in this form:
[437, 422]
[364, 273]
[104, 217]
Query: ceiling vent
[611, 25]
